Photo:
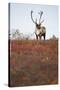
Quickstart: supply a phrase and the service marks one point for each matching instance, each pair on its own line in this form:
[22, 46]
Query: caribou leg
[44, 36]
[40, 37]
[37, 37]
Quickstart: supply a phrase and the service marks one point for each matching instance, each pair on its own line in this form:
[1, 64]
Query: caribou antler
[40, 13]
[41, 21]
[32, 18]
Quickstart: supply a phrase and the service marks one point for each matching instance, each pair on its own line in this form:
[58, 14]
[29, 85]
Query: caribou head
[40, 30]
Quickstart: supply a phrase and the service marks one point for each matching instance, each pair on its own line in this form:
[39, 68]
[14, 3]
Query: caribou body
[39, 29]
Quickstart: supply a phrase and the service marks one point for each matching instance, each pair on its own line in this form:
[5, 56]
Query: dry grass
[33, 62]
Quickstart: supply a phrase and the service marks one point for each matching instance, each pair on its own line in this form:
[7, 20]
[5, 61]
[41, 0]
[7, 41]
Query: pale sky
[20, 18]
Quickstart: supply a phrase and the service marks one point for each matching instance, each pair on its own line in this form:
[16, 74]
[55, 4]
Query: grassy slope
[33, 62]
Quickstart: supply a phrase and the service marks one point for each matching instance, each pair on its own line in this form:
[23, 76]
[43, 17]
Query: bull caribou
[39, 29]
